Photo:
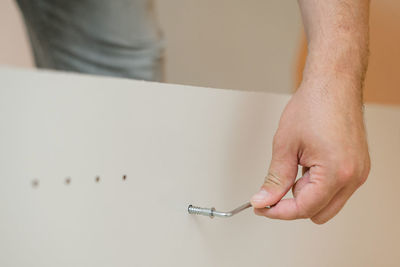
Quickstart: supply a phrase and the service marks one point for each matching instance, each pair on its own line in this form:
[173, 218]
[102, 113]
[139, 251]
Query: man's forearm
[322, 126]
[337, 34]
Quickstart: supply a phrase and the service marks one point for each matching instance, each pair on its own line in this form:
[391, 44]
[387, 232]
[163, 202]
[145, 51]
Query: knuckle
[273, 180]
[346, 173]
[353, 172]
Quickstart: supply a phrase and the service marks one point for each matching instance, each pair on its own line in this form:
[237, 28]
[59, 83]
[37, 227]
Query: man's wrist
[343, 63]
[338, 34]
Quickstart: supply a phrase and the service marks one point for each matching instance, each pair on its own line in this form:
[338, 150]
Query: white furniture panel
[177, 145]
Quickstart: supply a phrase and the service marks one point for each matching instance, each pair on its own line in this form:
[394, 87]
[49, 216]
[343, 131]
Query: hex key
[211, 212]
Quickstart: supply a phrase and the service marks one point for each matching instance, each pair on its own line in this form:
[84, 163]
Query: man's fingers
[309, 200]
[286, 209]
[300, 183]
[276, 184]
[334, 206]
[281, 175]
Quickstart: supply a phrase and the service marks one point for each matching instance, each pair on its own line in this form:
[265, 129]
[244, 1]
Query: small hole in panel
[35, 183]
[124, 177]
[67, 180]
[97, 179]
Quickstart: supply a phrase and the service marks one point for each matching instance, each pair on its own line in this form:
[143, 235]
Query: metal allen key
[211, 212]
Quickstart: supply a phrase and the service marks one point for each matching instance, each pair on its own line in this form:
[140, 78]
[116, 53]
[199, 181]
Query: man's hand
[322, 126]
[322, 131]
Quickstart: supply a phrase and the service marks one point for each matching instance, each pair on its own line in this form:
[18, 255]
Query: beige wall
[231, 43]
[14, 49]
[383, 77]
[227, 43]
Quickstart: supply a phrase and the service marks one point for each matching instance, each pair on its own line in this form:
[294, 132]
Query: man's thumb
[281, 176]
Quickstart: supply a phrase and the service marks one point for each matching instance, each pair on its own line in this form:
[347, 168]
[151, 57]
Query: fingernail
[260, 196]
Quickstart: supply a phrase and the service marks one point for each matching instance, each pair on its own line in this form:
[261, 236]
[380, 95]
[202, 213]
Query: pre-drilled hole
[97, 179]
[67, 180]
[35, 183]
[124, 177]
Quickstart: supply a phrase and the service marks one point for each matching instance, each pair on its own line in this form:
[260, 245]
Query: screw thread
[201, 211]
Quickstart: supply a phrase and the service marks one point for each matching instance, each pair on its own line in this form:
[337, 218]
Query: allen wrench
[211, 212]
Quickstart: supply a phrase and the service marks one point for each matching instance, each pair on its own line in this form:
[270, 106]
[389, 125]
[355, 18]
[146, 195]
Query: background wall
[227, 43]
[252, 45]
[383, 78]
[231, 43]
[14, 48]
